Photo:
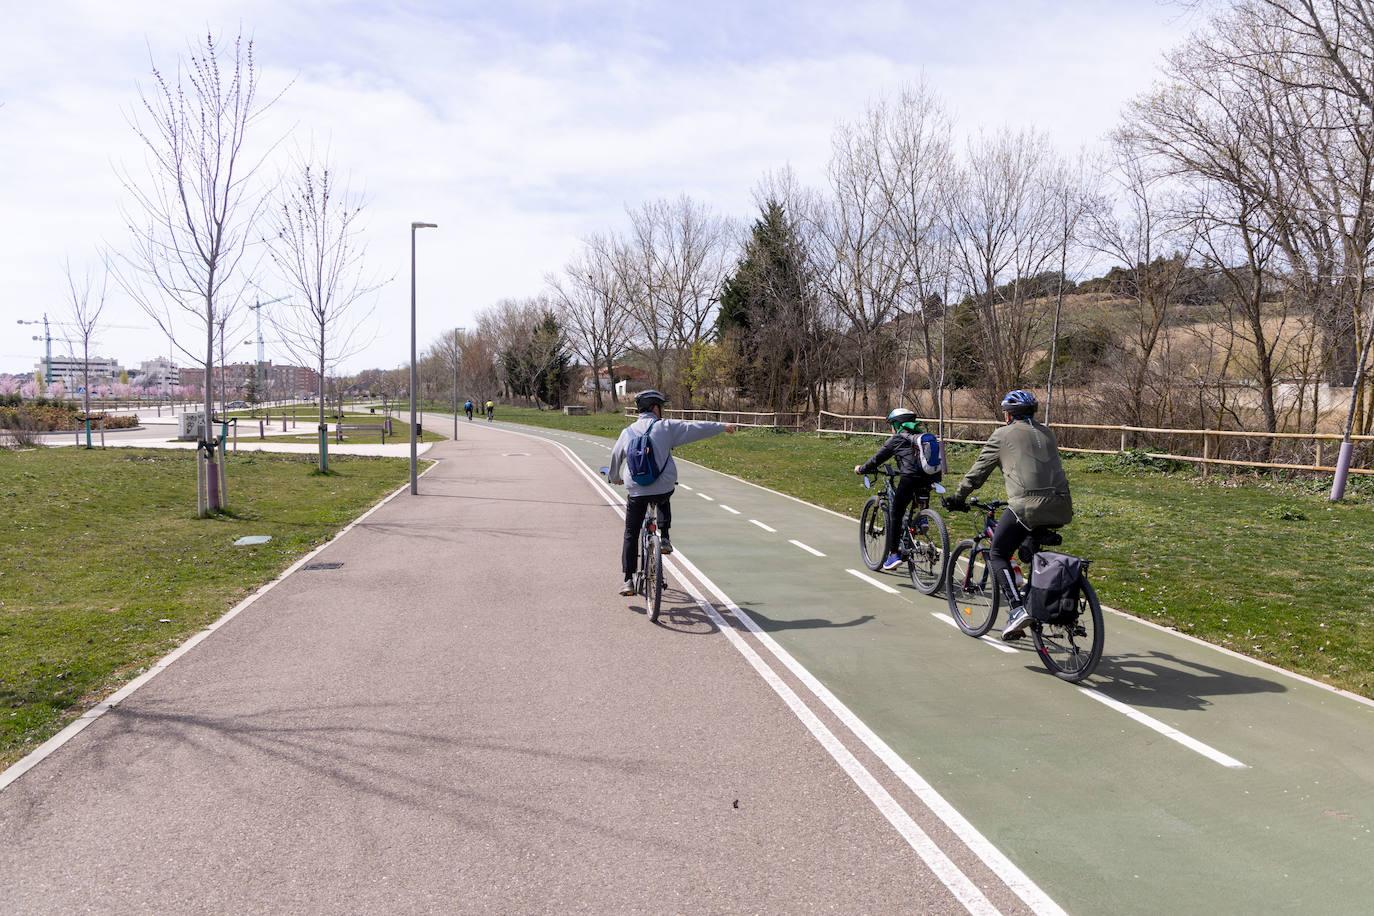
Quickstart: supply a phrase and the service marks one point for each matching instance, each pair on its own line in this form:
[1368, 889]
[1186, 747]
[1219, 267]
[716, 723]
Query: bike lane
[1182, 777]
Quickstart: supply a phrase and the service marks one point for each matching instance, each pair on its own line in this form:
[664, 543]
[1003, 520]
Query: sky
[518, 127]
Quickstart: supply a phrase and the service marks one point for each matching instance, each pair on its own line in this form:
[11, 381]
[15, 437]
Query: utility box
[191, 426]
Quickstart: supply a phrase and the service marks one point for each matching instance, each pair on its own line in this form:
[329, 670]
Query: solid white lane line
[811, 550]
[705, 497]
[754, 521]
[685, 487]
[728, 509]
[996, 644]
[935, 858]
[1020, 883]
[872, 581]
[1167, 731]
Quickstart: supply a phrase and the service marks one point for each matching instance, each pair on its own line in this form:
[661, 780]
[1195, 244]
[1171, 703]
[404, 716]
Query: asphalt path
[463, 716]
[1180, 778]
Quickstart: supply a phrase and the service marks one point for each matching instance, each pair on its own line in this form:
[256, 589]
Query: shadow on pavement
[769, 625]
[391, 764]
[679, 612]
[1165, 681]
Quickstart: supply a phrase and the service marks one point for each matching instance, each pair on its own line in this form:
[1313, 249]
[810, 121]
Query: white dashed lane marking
[811, 550]
[944, 618]
[1167, 731]
[705, 497]
[728, 509]
[872, 581]
[754, 521]
[685, 487]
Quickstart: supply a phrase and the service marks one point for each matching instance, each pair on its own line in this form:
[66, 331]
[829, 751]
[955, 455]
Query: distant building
[279, 381]
[73, 371]
[157, 373]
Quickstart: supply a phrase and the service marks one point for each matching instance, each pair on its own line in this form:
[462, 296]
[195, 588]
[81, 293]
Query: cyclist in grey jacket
[664, 436]
[1037, 492]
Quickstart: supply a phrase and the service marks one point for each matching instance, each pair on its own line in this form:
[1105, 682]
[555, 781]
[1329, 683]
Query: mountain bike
[1068, 648]
[648, 582]
[924, 543]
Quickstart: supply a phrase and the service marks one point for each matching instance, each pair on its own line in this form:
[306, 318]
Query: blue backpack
[644, 468]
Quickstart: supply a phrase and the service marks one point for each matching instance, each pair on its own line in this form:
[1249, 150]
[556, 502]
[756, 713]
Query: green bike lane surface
[1103, 812]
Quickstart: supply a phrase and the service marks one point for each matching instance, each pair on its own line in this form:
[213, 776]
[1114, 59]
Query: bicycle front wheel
[929, 552]
[654, 575]
[873, 533]
[972, 594]
[1072, 650]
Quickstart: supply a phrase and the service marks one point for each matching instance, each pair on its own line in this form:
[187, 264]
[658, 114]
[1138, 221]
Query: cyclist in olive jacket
[1037, 491]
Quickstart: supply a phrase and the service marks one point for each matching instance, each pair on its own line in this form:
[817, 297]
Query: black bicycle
[648, 582]
[1069, 647]
[924, 543]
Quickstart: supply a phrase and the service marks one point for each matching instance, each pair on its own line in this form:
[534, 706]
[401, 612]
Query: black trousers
[1007, 537]
[903, 493]
[635, 509]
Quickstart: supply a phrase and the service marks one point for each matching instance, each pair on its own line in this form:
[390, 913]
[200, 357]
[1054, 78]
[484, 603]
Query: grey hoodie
[665, 436]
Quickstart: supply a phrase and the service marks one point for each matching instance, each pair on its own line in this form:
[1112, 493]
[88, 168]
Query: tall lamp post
[456, 332]
[414, 454]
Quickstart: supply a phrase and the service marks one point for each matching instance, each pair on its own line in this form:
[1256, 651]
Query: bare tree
[316, 245]
[191, 215]
[86, 300]
[1006, 222]
[591, 303]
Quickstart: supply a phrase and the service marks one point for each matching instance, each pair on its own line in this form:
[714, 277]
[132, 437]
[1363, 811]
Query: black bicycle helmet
[647, 400]
[1019, 403]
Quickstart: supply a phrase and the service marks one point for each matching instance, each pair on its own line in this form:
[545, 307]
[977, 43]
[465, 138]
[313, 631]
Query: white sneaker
[1016, 626]
[628, 588]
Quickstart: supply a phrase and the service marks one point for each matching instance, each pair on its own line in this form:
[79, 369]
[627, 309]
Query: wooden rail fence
[1215, 443]
[775, 420]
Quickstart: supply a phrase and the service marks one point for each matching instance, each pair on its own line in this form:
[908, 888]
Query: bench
[384, 426]
[575, 410]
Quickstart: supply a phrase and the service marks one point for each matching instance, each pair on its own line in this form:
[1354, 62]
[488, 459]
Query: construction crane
[262, 354]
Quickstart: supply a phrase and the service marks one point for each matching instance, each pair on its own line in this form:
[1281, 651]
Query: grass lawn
[248, 431]
[104, 567]
[1262, 565]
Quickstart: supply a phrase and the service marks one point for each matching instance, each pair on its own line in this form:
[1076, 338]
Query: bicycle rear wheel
[873, 533]
[929, 552]
[1072, 651]
[653, 574]
[972, 594]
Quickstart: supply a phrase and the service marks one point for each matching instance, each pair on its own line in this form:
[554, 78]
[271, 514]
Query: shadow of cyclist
[1165, 681]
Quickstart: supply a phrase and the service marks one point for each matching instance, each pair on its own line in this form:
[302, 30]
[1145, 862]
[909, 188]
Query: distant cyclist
[467, 408]
[1037, 491]
[491, 411]
[663, 436]
[919, 464]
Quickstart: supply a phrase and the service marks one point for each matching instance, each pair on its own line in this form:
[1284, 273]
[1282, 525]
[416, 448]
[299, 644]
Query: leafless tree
[592, 307]
[86, 300]
[316, 244]
[191, 214]
[1006, 222]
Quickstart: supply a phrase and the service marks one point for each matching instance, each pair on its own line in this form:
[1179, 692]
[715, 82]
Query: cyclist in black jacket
[918, 462]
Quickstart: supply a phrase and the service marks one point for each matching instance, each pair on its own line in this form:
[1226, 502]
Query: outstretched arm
[988, 459]
[887, 451]
[681, 432]
[617, 462]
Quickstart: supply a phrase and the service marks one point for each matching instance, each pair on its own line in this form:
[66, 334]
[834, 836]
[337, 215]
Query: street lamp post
[456, 332]
[414, 453]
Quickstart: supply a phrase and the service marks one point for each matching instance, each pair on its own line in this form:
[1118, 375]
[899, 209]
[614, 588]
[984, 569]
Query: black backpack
[1055, 583]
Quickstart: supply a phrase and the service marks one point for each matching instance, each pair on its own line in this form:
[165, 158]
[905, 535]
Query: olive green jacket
[1028, 455]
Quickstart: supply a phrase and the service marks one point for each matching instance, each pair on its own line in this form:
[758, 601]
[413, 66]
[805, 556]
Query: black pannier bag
[1054, 587]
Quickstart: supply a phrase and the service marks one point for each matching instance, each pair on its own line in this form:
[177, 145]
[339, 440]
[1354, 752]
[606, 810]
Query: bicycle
[648, 581]
[1069, 648]
[924, 543]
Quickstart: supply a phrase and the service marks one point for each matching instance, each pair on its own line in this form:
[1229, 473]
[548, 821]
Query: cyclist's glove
[955, 503]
